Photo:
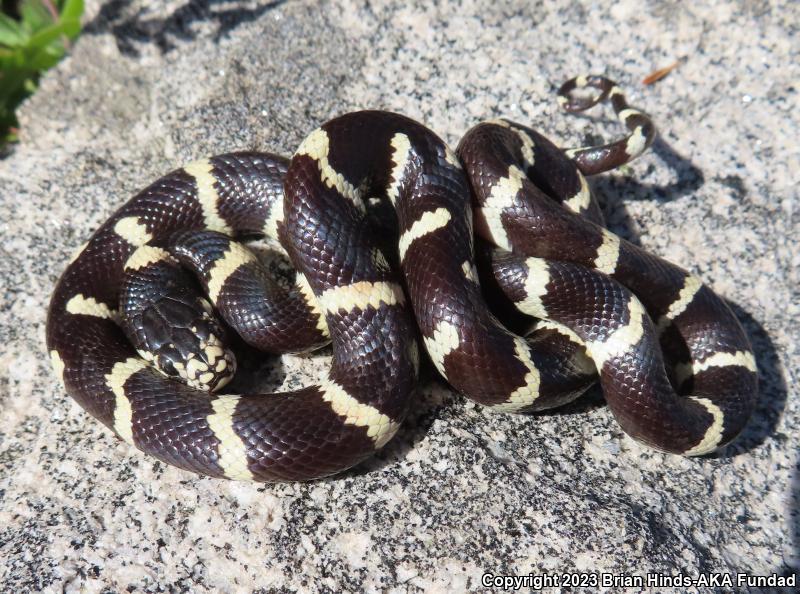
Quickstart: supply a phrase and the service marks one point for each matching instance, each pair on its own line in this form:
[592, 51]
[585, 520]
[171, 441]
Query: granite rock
[458, 492]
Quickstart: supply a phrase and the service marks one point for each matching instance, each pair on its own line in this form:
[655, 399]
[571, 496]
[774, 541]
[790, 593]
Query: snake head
[185, 342]
[172, 325]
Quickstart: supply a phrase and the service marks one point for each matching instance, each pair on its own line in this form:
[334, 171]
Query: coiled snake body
[604, 306]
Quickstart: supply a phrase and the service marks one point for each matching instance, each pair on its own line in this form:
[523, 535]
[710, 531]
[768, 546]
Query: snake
[404, 249]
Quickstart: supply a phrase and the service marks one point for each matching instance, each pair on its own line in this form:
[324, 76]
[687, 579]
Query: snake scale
[140, 324]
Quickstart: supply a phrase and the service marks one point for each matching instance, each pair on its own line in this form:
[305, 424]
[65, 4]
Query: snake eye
[166, 365]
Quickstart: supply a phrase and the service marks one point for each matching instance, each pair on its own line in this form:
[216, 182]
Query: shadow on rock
[772, 391]
[613, 191]
[433, 400]
[133, 26]
[590, 400]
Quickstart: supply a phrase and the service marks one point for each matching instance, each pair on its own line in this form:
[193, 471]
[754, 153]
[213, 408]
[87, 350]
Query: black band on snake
[140, 322]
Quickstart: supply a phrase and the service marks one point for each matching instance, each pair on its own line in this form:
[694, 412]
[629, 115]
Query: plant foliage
[34, 34]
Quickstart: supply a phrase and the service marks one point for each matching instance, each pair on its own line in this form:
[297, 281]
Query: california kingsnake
[541, 246]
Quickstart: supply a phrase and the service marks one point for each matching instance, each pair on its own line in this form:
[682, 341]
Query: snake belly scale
[507, 217]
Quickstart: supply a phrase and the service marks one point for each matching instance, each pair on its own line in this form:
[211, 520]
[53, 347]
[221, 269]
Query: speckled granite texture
[458, 492]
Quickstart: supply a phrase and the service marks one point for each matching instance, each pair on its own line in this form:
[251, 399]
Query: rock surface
[459, 492]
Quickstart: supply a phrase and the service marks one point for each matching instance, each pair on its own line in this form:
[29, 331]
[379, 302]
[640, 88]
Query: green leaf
[72, 9]
[34, 15]
[45, 58]
[72, 27]
[11, 81]
[12, 59]
[52, 33]
[20, 58]
[30, 47]
[11, 33]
